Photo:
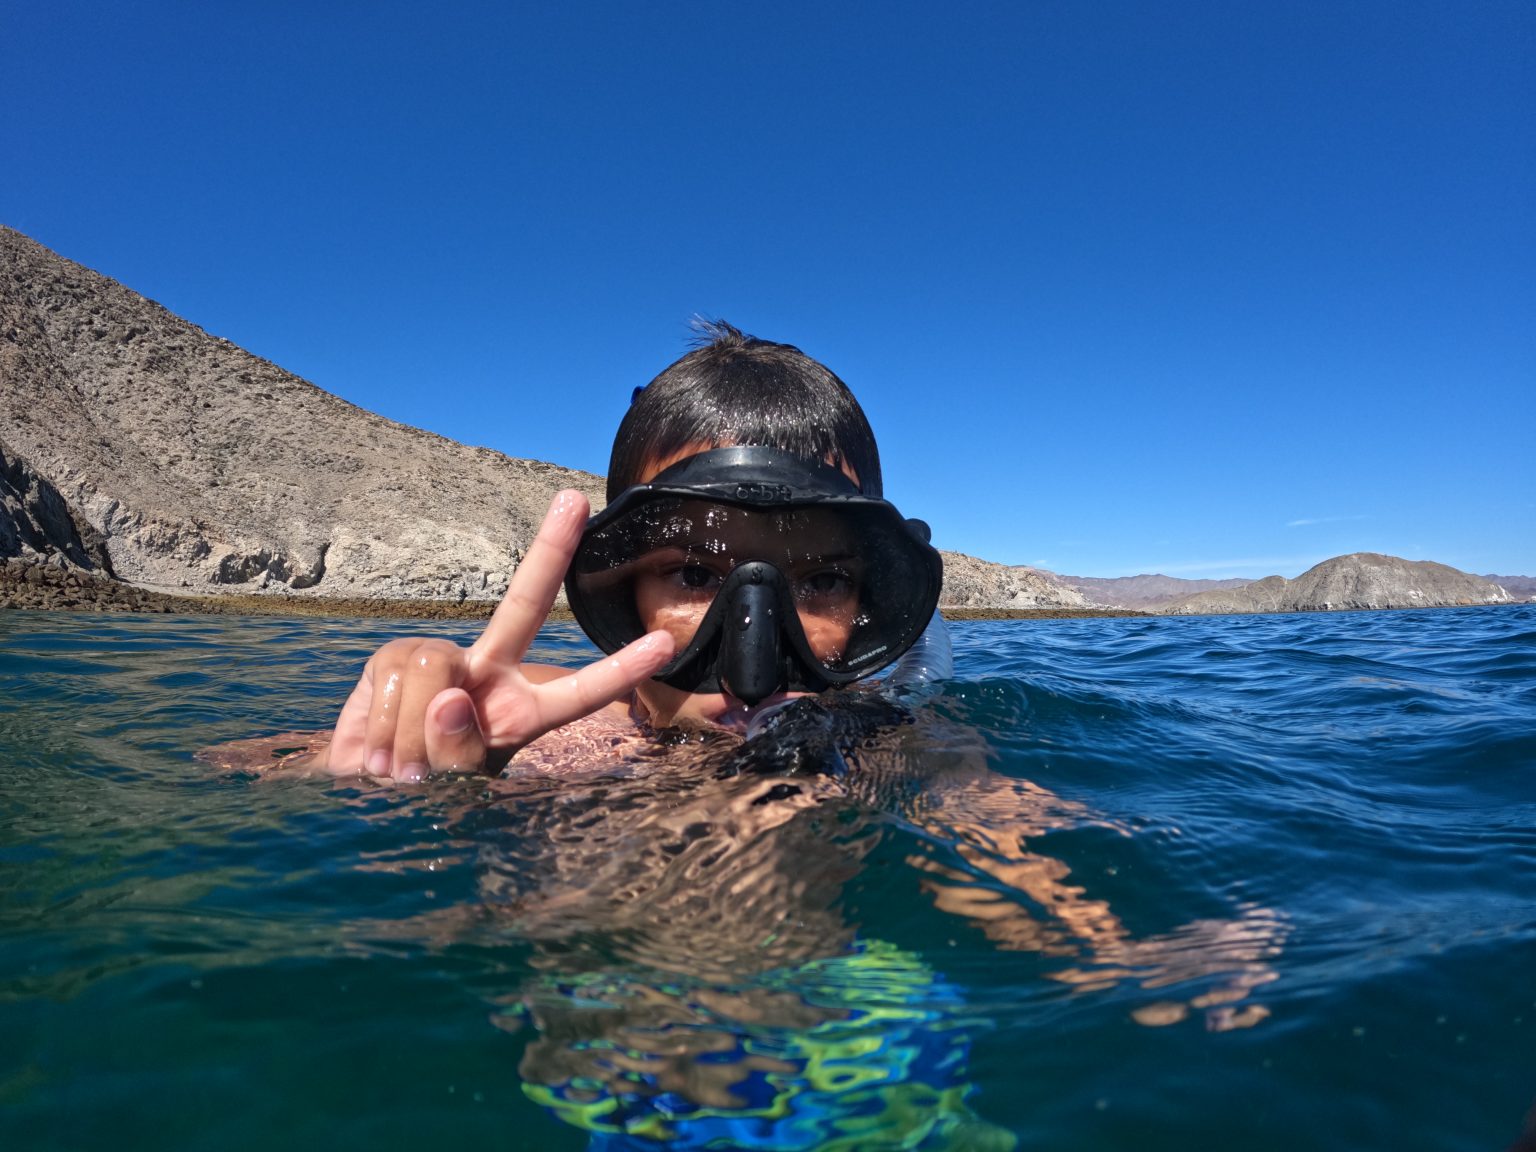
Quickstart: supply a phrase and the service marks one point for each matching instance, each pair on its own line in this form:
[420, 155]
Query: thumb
[454, 740]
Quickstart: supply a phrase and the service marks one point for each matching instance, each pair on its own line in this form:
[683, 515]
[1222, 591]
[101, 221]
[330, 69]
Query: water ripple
[1255, 881]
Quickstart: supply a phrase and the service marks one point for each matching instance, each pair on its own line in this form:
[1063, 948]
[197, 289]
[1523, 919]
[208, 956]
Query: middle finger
[394, 667]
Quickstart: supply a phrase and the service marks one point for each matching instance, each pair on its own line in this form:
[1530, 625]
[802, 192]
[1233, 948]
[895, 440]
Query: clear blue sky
[1206, 288]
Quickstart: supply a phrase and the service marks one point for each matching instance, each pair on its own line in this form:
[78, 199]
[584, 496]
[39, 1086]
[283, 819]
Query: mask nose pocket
[751, 662]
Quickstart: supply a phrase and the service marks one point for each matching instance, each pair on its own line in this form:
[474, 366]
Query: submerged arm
[1022, 901]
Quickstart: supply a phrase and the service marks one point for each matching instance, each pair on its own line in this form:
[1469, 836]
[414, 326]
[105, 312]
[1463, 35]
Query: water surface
[1258, 882]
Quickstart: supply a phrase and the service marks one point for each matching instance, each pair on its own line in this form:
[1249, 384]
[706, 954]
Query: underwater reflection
[865, 1049]
[697, 979]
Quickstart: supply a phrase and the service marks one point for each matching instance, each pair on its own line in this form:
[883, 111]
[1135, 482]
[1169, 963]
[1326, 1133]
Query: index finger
[526, 605]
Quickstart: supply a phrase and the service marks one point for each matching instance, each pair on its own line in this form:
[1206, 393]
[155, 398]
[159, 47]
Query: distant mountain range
[136, 446]
[1358, 580]
[1520, 587]
[1143, 593]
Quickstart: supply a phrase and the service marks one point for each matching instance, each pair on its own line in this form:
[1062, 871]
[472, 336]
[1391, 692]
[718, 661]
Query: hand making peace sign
[426, 704]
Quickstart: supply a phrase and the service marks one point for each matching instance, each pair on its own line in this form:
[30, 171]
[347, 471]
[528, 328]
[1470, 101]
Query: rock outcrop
[973, 583]
[37, 522]
[137, 445]
[1358, 580]
[1519, 587]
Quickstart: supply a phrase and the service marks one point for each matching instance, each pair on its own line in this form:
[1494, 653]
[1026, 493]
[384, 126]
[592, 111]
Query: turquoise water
[1272, 886]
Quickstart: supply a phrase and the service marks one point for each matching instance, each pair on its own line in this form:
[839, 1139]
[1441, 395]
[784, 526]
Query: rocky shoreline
[47, 588]
[43, 587]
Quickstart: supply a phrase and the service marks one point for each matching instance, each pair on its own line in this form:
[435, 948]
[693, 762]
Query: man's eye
[826, 584]
[695, 576]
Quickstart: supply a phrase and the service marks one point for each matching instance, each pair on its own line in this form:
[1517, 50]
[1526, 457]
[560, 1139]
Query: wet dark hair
[737, 389]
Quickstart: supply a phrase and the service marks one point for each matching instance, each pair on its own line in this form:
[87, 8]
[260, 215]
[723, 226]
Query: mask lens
[763, 566]
[662, 565]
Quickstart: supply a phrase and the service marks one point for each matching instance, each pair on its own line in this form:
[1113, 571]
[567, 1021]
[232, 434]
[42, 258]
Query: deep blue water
[1274, 887]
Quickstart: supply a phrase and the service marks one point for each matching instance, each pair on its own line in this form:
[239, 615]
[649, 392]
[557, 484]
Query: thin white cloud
[1307, 522]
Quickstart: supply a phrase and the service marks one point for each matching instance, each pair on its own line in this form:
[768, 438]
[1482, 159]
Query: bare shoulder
[265, 753]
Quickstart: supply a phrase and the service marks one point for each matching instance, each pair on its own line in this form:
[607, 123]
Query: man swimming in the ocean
[698, 979]
[745, 556]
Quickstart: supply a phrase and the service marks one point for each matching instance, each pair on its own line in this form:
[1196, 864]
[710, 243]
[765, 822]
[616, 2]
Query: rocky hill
[973, 583]
[135, 444]
[1358, 580]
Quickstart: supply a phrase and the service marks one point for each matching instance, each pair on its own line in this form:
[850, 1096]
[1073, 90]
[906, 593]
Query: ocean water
[1262, 882]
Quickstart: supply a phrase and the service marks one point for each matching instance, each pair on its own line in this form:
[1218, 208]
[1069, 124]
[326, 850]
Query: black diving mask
[771, 572]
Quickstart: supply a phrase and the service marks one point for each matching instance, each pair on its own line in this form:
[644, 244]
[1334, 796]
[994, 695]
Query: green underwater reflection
[862, 1050]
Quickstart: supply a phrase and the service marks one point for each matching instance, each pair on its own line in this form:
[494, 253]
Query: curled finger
[430, 667]
[453, 737]
[346, 752]
[387, 746]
